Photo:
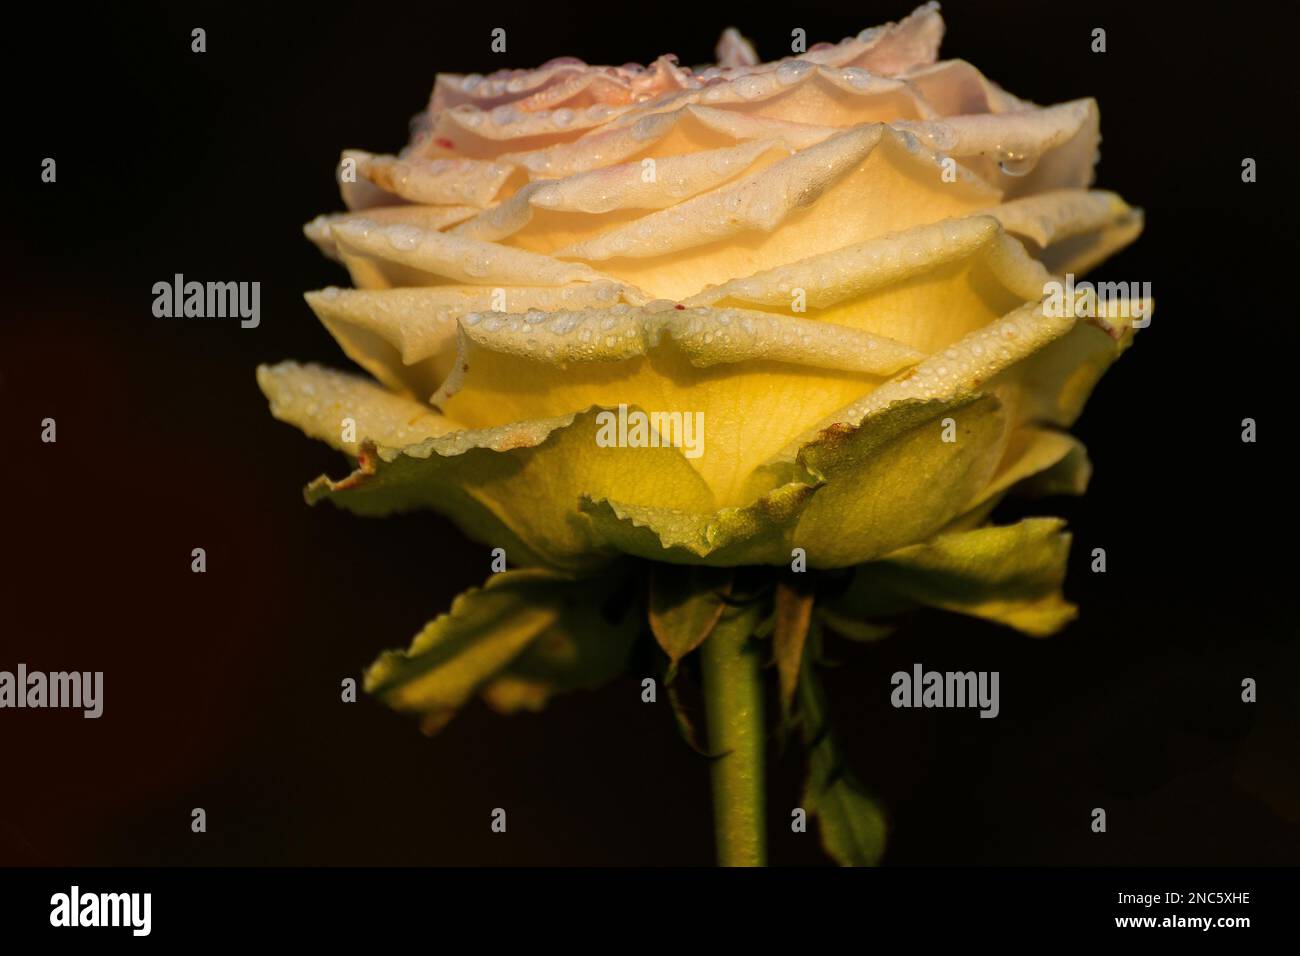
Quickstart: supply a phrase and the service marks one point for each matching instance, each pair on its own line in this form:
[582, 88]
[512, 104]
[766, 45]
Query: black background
[222, 689]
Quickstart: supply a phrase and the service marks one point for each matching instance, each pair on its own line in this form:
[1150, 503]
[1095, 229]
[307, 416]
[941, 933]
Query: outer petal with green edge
[875, 477]
[516, 486]
[879, 476]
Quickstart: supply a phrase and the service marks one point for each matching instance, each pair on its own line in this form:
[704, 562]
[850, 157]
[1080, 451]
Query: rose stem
[733, 700]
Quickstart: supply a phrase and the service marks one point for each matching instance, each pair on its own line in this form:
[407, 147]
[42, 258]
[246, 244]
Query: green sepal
[1010, 575]
[685, 605]
[522, 637]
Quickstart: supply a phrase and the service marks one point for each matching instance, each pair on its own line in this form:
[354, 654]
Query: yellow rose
[825, 257]
[754, 314]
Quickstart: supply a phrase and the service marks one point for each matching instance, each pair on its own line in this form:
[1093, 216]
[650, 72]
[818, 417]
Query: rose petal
[1072, 230]
[380, 256]
[754, 378]
[926, 286]
[791, 210]
[546, 215]
[318, 400]
[734, 49]
[452, 182]
[893, 47]
[662, 135]
[1023, 152]
[406, 338]
[515, 487]
[478, 134]
[434, 218]
[849, 506]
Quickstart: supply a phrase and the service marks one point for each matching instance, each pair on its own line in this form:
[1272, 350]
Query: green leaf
[1011, 575]
[523, 636]
[852, 824]
[685, 605]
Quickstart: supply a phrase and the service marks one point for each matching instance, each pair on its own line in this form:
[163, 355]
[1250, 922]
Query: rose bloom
[836, 262]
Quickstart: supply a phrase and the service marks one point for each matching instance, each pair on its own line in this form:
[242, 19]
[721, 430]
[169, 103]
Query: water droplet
[564, 324]
[791, 70]
[857, 78]
[504, 115]
[1015, 163]
[943, 138]
[402, 236]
